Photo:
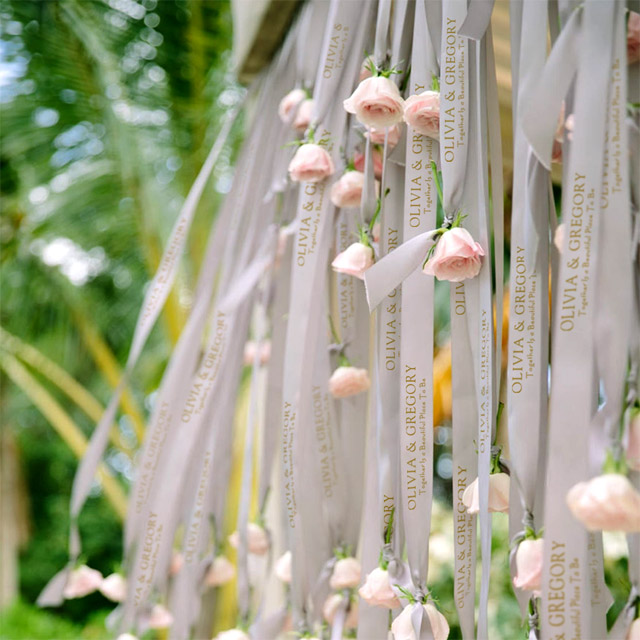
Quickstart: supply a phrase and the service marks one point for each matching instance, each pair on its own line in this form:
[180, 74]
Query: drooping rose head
[633, 37]
[233, 634]
[257, 539]
[457, 257]
[304, 115]
[311, 163]
[82, 581]
[114, 587]
[376, 102]
[633, 443]
[220, 572]
[283, 567]
[348, 381]
[558, 237]
[347, 192]
[160, 618]
[402, 627]
[290, 103]
[354, 260]
[377, 590]
[529, 556]
[346, 574]
[606, 503]
[335, 602]
[376, 156]
[498, 494]
[422, 112]
[377, 136]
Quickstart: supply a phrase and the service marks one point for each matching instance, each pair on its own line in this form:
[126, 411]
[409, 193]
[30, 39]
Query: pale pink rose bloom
[347, 192]
[177, 562]
[402, 627]
[457, 257]
[257, 539]
[233, 634]
[114, 587]
[283, 567]
[633, 444]
[529, 565]
[303, 116]
[250, 352]
[633, 37]
[289, 103]
[634, 630]
[377, 136]
[82, 582]
[160, 618]
[569, 125]
[354, 260]
[422, 112]
[127, 636]
[606, 503]
[220, 572]
[556, 152]
[311, 163]
[377, 590]
[346, 574]
[365, 70]
[378, 161]
[498, 494]
[558, 237]
[331, 606]
[376, 102]
[348, 381]
[375, 232]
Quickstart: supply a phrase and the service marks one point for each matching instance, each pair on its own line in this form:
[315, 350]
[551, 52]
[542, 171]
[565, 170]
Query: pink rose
[633, 37]
[558, 237]
[220, 572]
[378, 161]
[375, 232]
[257, 539]
[289, 103]
[634, 630]
[377, 590]
[82, 582]
[177, 562]
[457, 257]
[347, 381]
[498, 494]
[376, 102]
[569, 125]
[365, 70]
[633, 444]
[114, 587]
[377, 136]
[556, 152]
[250, 352]
[233, 634]
[606, 503]
[422, 112]
[529, 556]
[160, 618]
[354, 260]
[402, 627]
[303, 116]
[346, 574]
[347, 192]
[331, 606]
[283, 567]
[311, 163]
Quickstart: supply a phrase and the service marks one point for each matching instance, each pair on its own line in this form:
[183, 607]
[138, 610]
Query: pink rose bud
[303, 116]
[377, 590]
[347, 381]
[633, 444]
[177, 562]
[114, 587]
[378, 162]
[82, 582]
[310, 164]
[422, 112]
[257, 539]
[346, 574]
[558, 237]
[633, 37]
[289, 103]
[457, 257]
[250, 352]
[347, 192]
[377, 136]
[160, 618]
[606, 503]
[498, 494]
[402, 627]
[529, 556]
[220, 572]
[634, 630]
[233, 634]
[283, 567]
[354, 260]
[556, 152]
[331, 606]
[376, 102]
